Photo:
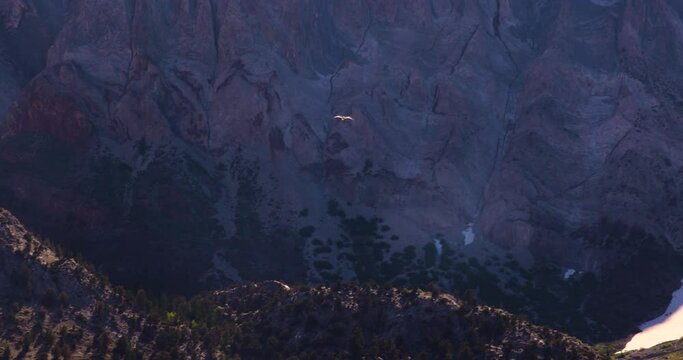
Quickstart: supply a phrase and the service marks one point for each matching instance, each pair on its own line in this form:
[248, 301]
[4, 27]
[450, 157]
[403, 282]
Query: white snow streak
[569, 273]
[468, 234]
[667, 327]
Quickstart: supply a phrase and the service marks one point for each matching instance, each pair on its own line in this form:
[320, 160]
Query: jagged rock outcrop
[194, 142]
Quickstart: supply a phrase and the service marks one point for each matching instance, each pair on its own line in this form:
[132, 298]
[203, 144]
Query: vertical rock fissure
[508, 119]
[132, 5]
[355, 53]
[215, 28]
[442, 152]
[464, 48]
[495, 21]
[326, 125]
[496, 33]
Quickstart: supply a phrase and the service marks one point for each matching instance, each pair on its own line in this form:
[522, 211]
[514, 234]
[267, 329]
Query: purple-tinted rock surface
[187, 142]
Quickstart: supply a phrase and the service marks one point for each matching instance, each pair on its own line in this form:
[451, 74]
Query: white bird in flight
[343, 117]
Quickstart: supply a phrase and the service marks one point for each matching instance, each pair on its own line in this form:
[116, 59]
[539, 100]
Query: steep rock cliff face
[590, 175]
[28, 29]
[194, 142]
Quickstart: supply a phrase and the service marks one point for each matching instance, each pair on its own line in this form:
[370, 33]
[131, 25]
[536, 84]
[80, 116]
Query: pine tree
[465, 352]
[469, 297]
[357, 343]
[122, 350]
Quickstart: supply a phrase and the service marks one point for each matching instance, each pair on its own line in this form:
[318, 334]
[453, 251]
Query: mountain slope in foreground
[670, 350]
[53, 307]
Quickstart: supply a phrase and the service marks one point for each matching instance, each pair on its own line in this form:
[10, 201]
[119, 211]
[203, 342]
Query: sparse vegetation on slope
[53, 307]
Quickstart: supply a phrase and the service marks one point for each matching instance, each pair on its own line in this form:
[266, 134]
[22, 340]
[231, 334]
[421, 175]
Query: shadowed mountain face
[184, 144]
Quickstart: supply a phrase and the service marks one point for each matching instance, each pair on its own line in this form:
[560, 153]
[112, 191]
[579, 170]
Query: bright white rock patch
[569, 273]
[667, 327]
[439, 247]
[468, 234]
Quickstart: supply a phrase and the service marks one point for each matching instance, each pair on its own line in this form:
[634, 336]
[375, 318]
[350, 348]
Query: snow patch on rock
[468, 234]
[666, 327]
[569, 273]
[439, 247]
